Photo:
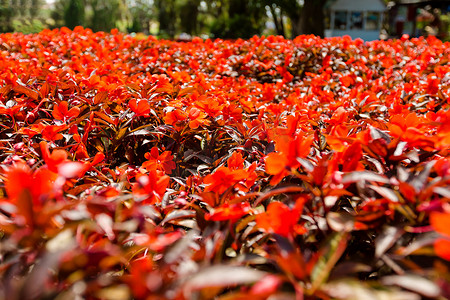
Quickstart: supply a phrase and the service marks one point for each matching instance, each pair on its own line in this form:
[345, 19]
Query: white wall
[356, 5]
[362, 34]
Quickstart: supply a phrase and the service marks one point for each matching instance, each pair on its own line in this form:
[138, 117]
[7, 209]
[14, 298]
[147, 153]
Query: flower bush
[151, 169]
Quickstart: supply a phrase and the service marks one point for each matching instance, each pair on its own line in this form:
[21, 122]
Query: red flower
[276, 164]
[441, 223]
[232, 176]
[162, 162]
[52, 132]
[140, 269]
[280, 219]
[61, 111]
[339, 116]
[153, 186]
[55, 159]
[289, 149]
[28, 190]
[33, 130]
[229, 212]
[175, 117]
[351, 157]
[197, 118]
[21, 179]
[139, 107]
[58, 162]
[412, 129]
[236, 161]
[223, 178]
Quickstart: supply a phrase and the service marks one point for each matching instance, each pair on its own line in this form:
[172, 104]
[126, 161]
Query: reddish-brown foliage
[149, 169]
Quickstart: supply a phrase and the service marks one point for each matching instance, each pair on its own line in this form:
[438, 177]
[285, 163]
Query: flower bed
[149, 169]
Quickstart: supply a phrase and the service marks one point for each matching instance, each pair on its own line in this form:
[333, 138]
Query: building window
[340, 19]
[356, 20]
[372, 21]
[327, 21]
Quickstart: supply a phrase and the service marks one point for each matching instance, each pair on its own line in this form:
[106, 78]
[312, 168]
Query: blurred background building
[358, 19]
[419, 18]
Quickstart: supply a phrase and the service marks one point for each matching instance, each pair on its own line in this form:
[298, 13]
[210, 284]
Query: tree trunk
[74, 14]
[189, 16]
[278, 20]
[6, 15]
[312, 17]
[296, 25]
[293, 11]
[166, 17]
[237, 7]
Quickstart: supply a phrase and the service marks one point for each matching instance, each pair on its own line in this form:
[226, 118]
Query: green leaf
[330, 254]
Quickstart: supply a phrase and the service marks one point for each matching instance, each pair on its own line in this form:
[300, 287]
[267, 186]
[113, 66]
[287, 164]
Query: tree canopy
[170, 18]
